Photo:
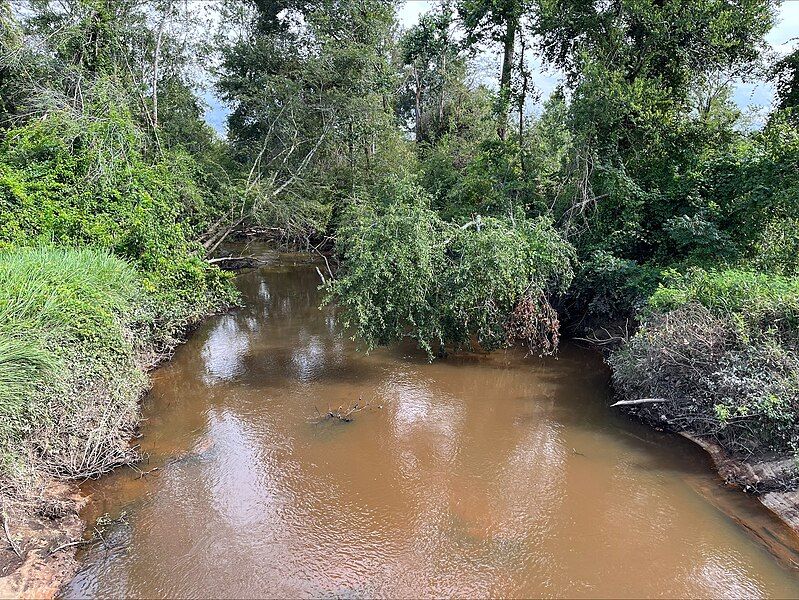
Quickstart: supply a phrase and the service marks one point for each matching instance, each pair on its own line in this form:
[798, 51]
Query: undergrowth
[720, 350]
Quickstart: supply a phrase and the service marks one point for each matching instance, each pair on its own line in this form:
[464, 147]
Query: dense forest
[636, 206]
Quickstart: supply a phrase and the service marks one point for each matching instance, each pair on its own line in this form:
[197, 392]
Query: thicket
[74, 179]
[493, 225]
[720, 351]
[102, 210]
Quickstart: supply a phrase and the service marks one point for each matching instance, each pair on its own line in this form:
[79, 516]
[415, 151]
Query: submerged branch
[342, 414]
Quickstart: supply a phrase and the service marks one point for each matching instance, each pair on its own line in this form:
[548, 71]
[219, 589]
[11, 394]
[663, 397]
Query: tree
[671, 41]
[496, 21]
[408, 273]
[786, 72]
[311, 91]
[436, 71]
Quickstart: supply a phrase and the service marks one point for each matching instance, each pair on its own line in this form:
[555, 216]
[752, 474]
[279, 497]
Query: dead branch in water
[222, 259]
[96, 537]
[342, 414]
[610, 339]
[640, 401]
[141, 473]
[72, 544]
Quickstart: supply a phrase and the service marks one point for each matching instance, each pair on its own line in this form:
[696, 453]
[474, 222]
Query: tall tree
[311, 90]
[499, 22]
[436, 67]
[634, 67]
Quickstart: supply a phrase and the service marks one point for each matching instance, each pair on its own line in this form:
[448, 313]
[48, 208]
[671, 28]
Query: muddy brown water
[500, 475]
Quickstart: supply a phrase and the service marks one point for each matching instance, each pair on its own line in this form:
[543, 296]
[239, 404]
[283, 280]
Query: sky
[754, 96]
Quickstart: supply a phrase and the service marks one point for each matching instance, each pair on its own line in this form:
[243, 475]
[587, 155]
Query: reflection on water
[499, 475]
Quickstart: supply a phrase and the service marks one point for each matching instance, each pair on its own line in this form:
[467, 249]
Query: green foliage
[669, 41]
[495, 266]
[82, 179]
[409, 273]
[311, 91]
[23, 365]
[393, 251]
[764, 302]
[434, 89]
[102, 200]
[607, 288]
[787, 74]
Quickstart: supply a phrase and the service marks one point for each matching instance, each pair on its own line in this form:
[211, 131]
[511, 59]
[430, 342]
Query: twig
[11, 541]
[141, 473]
[70, 545]
[230, 258]
[340, 414]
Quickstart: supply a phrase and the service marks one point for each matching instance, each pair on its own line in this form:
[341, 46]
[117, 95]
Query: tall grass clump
[77, 328]
[23, 365]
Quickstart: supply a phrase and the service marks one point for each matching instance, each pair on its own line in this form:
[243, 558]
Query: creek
[475, 475]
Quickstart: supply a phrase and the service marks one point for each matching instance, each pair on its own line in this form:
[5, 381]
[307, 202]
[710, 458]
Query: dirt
[38, 526]
[772, 480]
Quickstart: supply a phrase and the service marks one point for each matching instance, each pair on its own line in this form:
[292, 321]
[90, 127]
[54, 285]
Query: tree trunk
[156, 63]
[418, 105]
[507, 69]
[443, 86]
[522, 100]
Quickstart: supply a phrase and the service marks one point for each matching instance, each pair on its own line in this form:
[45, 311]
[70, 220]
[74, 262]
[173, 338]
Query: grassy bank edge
[79, 328]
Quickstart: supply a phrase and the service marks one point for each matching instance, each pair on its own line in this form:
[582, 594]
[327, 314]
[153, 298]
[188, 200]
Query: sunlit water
[499, 475]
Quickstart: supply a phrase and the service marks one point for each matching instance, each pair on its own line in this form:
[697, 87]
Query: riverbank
[716, 359]
[46, 531]
[53, 523]
[771, 481]
[79, 330]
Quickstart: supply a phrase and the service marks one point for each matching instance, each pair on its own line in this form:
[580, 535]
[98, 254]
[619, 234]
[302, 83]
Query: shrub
[84, 179]
[762, 304]
[721, 351]
[406, 272]
[607, 288]
[78, 327]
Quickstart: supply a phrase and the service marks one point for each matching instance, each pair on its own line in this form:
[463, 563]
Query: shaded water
[499, 475]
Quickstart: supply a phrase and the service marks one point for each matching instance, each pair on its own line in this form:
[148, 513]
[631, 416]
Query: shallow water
[499, 475]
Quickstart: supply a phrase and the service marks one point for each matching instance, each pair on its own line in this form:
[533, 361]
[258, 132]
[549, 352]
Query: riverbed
[496, 474]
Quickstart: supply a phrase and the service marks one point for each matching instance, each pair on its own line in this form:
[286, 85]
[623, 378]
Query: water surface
[499, 475]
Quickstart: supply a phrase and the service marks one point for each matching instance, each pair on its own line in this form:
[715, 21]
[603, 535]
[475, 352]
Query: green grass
[73, 326]
[729, 291]
[64, 293]
[22, 365]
